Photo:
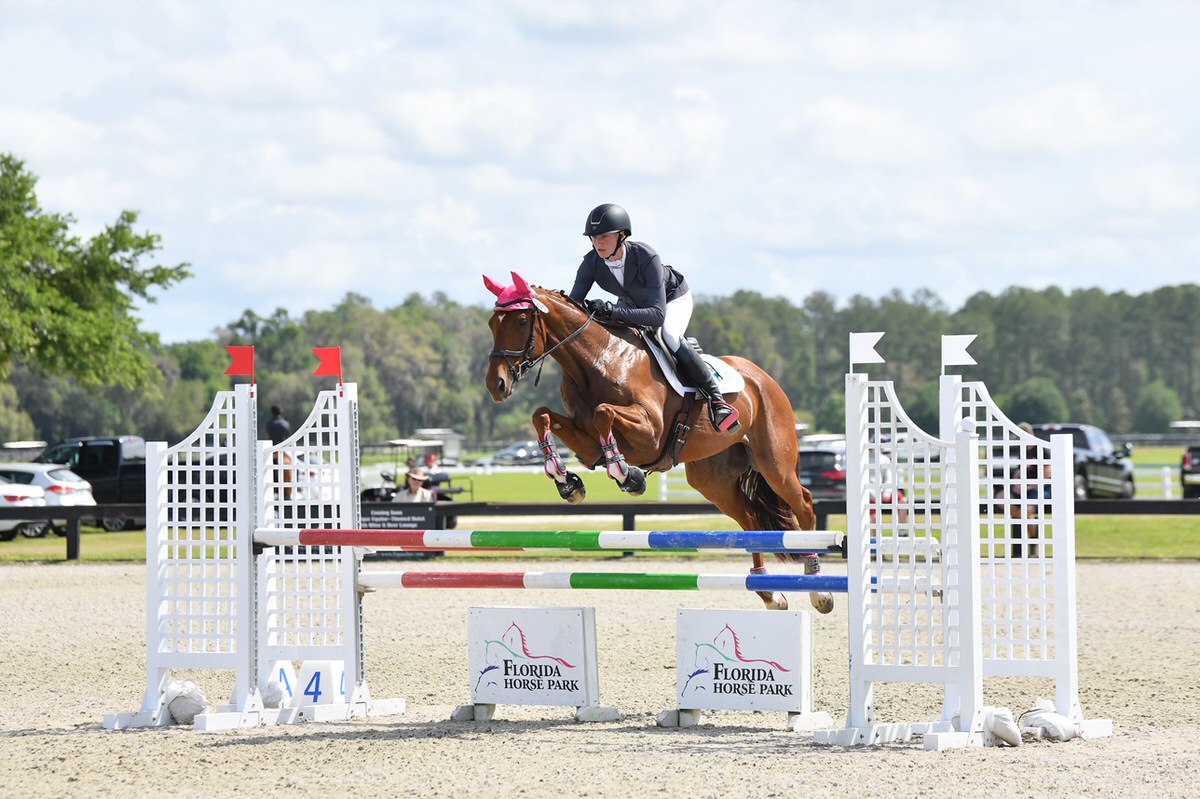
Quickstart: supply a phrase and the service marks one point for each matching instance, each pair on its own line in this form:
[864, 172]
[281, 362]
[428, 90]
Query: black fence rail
[74, 516]
[626, 511]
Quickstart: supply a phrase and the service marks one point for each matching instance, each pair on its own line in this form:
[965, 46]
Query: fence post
[74, 530]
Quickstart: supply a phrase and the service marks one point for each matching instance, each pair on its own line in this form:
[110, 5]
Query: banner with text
[533, 656]
[744, 660]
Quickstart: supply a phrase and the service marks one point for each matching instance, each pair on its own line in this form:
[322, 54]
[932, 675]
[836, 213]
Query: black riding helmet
[608, 218]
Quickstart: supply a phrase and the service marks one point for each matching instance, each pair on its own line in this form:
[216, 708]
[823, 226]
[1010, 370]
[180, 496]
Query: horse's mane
[564, 296]
[612, 327]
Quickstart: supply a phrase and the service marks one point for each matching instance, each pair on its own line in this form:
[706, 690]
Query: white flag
[954, 350]
[862, 348]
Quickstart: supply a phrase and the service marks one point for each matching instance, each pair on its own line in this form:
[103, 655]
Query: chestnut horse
[620, 410]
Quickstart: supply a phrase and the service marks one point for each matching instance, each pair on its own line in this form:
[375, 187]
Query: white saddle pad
[729, 380]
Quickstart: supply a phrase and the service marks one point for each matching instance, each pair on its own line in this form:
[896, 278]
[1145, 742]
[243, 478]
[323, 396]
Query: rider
[649, 294]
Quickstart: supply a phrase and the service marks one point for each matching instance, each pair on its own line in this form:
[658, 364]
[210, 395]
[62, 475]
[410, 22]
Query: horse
[282, 474]
[620, 412]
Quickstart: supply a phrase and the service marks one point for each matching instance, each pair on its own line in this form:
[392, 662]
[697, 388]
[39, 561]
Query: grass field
[1109, 537]
[1097, 537]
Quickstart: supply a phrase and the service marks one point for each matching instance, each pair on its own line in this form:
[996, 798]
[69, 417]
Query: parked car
[822, 471]
[518, 453]
[1189, 472]
[1101, 470]
[60, 485]
[17, 495]
[114, 465]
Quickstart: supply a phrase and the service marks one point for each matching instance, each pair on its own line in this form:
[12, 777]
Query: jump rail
[621, 581]
[800, 542]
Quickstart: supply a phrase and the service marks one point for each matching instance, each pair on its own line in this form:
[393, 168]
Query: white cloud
[471, 124]
[1068, 120]
[938, 47]
[48, 134]
[862, 135]
[293, 153]
[90, 192]
[1153, 189]
[339, 128]
[253, 77]
[355, 177]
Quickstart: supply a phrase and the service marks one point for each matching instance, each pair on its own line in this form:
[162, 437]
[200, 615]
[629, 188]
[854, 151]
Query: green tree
[15, 424]
[68, 306]
[1157, 406]
[831, 417]
[1035, 400]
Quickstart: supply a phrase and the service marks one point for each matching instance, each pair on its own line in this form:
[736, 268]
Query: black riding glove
[601, 310]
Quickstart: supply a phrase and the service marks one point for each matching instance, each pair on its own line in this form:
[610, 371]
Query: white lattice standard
[310, 606]
[913, 574]
[214, 604]
[1027, 538]
[199, 561]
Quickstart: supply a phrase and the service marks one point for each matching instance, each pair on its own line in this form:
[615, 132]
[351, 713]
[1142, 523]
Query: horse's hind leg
[717, 479]
[775, 459]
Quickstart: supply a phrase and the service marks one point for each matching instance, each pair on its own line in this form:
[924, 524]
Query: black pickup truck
[114, 465]
[1101, 469]
[1189, 472]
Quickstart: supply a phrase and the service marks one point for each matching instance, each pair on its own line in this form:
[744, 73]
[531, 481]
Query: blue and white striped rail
[769, 541]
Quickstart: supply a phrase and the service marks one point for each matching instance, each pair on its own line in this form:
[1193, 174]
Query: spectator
[278, 428]
[416, 487]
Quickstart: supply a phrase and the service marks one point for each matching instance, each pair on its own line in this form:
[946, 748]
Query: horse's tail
[770, 512]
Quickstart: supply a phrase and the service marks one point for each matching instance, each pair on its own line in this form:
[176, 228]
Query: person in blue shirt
[649, 294]
[278, 428]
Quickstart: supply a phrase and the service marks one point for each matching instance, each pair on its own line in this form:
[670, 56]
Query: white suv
[60, 485]
[15, 495]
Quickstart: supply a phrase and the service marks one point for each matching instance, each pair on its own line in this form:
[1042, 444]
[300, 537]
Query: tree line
[1125, 363]
[74, 362]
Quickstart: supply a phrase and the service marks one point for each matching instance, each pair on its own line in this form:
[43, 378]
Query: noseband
[527, 361]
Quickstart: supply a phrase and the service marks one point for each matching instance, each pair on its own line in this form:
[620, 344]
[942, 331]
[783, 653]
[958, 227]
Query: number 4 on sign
[313, 689]
[320, 679]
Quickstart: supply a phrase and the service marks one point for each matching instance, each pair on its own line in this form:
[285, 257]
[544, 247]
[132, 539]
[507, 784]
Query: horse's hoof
[634, 483]
[822, 601]
[572, 490]
[777, 602]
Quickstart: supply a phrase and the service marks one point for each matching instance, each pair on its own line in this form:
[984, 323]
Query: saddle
[729, 381]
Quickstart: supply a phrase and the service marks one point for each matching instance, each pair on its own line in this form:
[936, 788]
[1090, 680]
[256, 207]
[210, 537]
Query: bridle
[527, 362]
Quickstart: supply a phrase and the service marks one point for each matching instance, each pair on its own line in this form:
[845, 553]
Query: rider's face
[605, 244]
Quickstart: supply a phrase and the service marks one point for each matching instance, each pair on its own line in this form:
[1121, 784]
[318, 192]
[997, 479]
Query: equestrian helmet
[607, 218]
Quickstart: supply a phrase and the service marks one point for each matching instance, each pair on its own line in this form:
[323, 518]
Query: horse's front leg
[570, 486]
[629, 478]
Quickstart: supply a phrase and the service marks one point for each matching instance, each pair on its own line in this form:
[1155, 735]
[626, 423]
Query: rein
[526, 363]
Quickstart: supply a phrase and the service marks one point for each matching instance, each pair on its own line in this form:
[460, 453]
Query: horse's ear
[521, 286]
[492, 287]
[524, 290]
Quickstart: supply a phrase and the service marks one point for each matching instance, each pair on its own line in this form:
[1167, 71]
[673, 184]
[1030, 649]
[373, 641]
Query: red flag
[331, 362]
[243, 361]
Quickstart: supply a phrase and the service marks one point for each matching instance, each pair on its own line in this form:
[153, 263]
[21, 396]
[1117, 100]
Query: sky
[294, 153]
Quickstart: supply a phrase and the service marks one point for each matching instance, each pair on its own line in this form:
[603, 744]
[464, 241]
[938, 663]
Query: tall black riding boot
[723, 415]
